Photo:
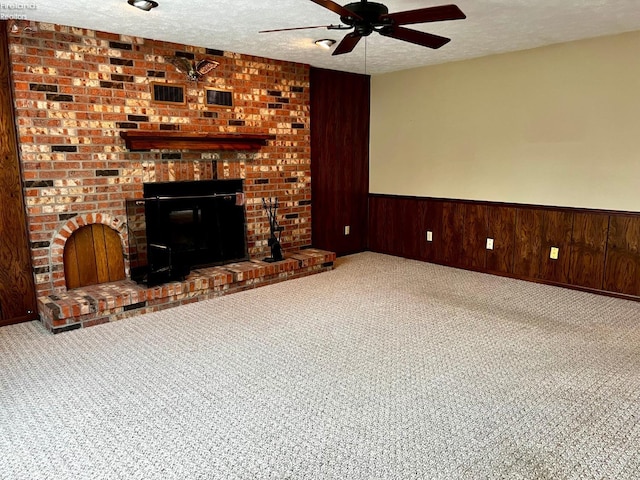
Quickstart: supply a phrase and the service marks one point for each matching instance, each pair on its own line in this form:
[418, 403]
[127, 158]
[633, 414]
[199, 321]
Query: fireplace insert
[178, 226]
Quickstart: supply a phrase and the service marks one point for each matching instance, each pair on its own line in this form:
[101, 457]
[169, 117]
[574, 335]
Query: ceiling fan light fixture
[145, 5]
[325, 43]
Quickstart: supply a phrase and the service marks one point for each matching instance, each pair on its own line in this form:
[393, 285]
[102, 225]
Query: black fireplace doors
[183, 225]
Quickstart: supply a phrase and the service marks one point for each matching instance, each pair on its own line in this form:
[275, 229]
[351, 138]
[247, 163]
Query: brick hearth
[107, 302]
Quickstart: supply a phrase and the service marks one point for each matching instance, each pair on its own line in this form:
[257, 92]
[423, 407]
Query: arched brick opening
[76, 223]
[93, 254]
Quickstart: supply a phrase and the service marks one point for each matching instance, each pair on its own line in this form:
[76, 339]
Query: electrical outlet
[347, 229]
[429, 236]
[555, 251]
[489, 243]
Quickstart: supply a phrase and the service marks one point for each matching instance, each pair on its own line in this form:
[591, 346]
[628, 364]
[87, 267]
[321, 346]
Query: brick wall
[76, 89]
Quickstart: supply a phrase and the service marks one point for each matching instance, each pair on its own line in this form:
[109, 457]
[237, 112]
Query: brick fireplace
[76, 90]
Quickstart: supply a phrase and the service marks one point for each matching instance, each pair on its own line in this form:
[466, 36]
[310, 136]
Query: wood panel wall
[17, 292]
[599, 251]
[589, 249]
[339, 160]
[501, 228]
[622, 265]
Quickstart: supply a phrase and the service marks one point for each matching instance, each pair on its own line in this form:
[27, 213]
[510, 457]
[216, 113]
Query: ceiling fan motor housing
[369, 13]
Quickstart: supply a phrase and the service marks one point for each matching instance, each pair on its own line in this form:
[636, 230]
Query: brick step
[108, 302]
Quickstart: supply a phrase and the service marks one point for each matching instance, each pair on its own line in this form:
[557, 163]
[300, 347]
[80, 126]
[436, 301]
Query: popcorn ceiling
[492, 26]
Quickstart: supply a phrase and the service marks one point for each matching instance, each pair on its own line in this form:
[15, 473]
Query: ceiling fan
[367, 17]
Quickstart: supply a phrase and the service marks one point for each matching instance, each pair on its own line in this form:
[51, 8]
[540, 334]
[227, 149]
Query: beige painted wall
[558, 125]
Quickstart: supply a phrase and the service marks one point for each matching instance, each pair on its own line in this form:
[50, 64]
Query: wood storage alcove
[93, 254]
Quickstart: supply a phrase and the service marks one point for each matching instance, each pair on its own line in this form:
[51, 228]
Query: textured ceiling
[492, 26]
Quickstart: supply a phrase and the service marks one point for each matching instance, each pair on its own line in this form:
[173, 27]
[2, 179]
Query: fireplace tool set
[271, 207]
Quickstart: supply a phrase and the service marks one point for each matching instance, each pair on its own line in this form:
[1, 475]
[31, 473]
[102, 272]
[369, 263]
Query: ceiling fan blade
[424, 15]
[348, 43]
[339, 9]
[414, 36]
[294, 28]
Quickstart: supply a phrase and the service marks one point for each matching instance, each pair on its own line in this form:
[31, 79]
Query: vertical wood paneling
[588, 249]
[450, 250]
[430, 218]
[597, 250]
[393, 226]
[375, 243]
[382, 225]
[556, 232]
[622, 273]
[409, 229]
[17, 290]
[528, 242]
[339, 159]
[474, 236]
[502, 224]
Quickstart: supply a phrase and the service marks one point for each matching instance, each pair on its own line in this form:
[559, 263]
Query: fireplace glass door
[179, 226]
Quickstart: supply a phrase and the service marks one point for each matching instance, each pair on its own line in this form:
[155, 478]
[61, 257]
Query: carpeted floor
[381, 369]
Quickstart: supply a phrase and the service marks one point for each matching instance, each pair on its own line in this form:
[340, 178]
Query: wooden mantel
[147, 140]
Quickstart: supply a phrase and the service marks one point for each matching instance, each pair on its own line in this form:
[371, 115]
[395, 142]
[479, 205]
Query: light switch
[489, 243]
[555, 251]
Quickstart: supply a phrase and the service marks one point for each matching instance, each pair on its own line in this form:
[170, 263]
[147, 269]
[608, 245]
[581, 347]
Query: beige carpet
[381, 369]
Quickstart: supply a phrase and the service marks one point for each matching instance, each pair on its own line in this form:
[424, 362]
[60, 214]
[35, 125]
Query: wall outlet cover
[554, 253]
[429, 236]
[489, 243]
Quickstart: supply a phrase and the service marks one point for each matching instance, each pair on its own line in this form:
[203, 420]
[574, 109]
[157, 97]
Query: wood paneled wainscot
[622, 271]
[592, 250]
[17, 290]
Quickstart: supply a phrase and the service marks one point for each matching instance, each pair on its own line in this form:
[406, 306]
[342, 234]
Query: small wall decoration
[192, 69]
